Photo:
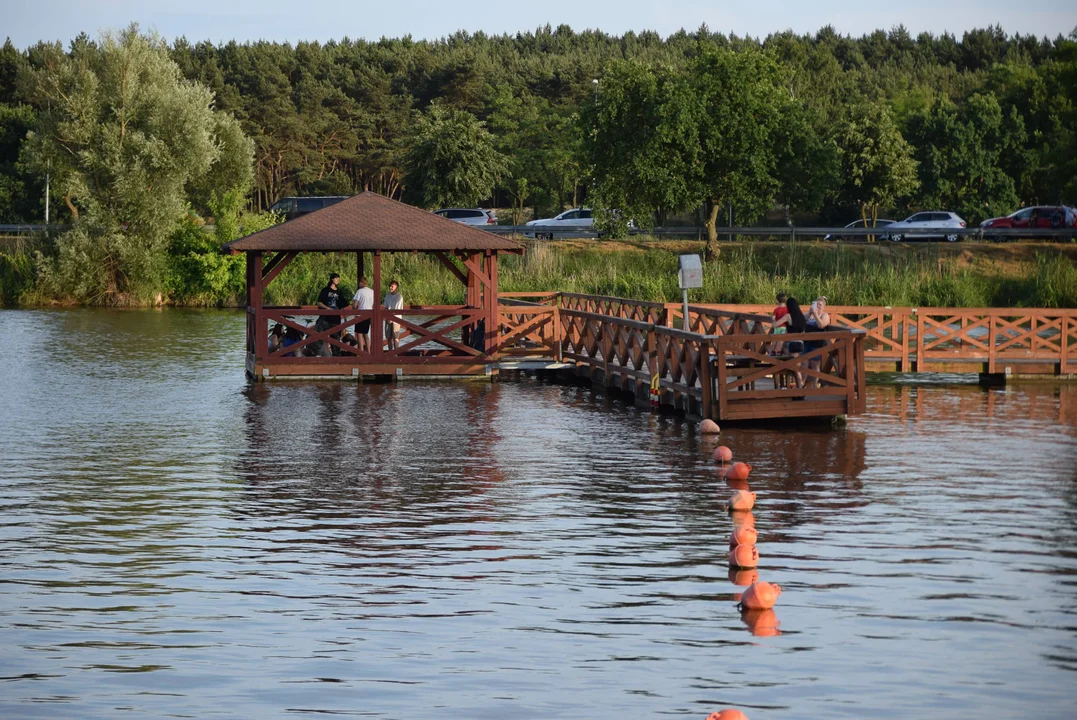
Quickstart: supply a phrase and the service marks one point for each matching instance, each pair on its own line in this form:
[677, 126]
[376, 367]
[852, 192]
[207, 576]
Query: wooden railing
[1032, 340]
[824, 380]
[724, 375]
[438, 334]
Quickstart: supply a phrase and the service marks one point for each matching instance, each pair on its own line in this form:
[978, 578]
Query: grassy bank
[927, 274]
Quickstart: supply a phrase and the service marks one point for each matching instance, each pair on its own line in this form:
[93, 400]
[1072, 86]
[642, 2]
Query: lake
[176, 542]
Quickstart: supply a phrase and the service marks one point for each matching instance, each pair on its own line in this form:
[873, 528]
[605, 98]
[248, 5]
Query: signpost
[690, 275]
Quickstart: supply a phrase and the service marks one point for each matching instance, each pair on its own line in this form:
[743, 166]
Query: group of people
[789, 318]
[332, 297]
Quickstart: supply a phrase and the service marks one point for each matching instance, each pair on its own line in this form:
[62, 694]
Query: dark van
[293, 207]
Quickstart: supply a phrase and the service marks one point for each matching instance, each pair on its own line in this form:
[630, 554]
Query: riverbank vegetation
[143, 140]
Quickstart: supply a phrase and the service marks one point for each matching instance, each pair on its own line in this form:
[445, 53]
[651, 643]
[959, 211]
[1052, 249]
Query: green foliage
[19, 191]
[126, 136]
[876, 161]
[451, 160]
[199, 274]
[960, 153]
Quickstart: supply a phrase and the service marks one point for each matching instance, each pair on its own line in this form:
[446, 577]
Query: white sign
[690, 274]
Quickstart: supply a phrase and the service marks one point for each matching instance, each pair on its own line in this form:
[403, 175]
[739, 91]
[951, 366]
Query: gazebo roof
[368, 222]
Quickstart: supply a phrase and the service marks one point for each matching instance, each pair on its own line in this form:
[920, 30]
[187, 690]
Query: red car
[1037, 216]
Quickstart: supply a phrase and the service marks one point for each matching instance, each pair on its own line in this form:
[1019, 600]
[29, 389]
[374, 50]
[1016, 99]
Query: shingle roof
[369, 221]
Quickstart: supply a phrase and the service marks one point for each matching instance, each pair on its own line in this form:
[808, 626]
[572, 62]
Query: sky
[27, 21]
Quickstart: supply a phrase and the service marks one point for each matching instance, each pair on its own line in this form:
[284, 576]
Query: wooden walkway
[726, 366]
[722, 367]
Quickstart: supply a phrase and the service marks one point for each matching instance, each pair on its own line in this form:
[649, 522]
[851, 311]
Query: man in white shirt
[363, 300]
[393, 301]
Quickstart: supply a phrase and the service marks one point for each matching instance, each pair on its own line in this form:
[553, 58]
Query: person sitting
[291, 337]
[276, 337]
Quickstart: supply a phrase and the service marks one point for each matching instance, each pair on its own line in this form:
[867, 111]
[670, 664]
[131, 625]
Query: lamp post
[595, 83]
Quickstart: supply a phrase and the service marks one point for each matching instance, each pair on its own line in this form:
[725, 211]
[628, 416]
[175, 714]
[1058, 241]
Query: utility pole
[48, 170]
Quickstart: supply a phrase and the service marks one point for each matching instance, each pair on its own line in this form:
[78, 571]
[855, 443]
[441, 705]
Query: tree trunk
[712, 251]
[71, 206]
[864, 218]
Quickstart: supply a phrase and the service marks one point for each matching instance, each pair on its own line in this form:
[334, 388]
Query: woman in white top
[393, 301]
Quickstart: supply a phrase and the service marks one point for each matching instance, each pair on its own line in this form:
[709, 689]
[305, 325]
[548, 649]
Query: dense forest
[824, 124]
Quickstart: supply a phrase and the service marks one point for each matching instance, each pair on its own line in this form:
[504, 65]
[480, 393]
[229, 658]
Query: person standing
[364, 300]
[329, 299]
[393, 301]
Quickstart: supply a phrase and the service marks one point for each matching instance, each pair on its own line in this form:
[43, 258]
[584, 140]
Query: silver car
[879, 225]
[569, 222]
[467, 216]
[934, 220]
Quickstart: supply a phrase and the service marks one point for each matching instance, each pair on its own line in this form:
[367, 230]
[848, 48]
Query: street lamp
[595, 83]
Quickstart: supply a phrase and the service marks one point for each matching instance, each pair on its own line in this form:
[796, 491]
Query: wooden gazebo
[435, 340]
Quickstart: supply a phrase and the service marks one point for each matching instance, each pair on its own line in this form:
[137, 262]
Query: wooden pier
[723, 363]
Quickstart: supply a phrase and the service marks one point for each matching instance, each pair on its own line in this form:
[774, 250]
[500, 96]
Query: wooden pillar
[493, 324]
[261, 333]
[376, 328]
[358, 269]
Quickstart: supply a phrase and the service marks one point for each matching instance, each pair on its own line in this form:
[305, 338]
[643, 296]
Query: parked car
[293, 207]
[879, 224]
[467, 216]
[1037, 216]
[935, 220]
[576, 219]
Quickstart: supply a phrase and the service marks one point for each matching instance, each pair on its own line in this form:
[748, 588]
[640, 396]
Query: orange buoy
[727, 714]
[739, 471]
[743, 577]
[761, 623]
[742, 500]
[737, 484]
[743, 535]
[709, 427]
[722, 454]
[742, 518]
[744, 556]
[760, 596]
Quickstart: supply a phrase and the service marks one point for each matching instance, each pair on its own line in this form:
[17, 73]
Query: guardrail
[792, 232]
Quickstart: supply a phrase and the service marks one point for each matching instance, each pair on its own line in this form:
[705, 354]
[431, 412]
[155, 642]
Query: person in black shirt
[331, 298]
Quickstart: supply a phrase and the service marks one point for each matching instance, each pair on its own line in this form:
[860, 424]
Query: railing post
[920, 342]
[719, 361]
[558, 342]
[261, 332]
[905, 366]
[705, 378]
[848, 365]
[991, 343]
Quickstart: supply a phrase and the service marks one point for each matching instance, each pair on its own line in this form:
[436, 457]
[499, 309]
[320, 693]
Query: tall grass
[914, 276]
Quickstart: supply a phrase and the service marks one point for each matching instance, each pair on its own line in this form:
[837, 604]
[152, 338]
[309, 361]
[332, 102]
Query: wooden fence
[731, 371]
[993, 340]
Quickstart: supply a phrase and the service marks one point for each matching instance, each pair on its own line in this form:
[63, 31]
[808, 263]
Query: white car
[570, 221]
[478, 216]
[941, 221]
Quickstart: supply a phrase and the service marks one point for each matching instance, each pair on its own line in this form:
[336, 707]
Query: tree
[18, 203]
[740, 103]
[959, 154]
[451, 159]
[126, 137]
[876, 162]
[643, 141]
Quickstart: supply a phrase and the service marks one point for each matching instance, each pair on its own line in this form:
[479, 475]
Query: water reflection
[176, 542]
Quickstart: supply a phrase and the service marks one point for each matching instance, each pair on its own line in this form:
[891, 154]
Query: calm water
[176, 543]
